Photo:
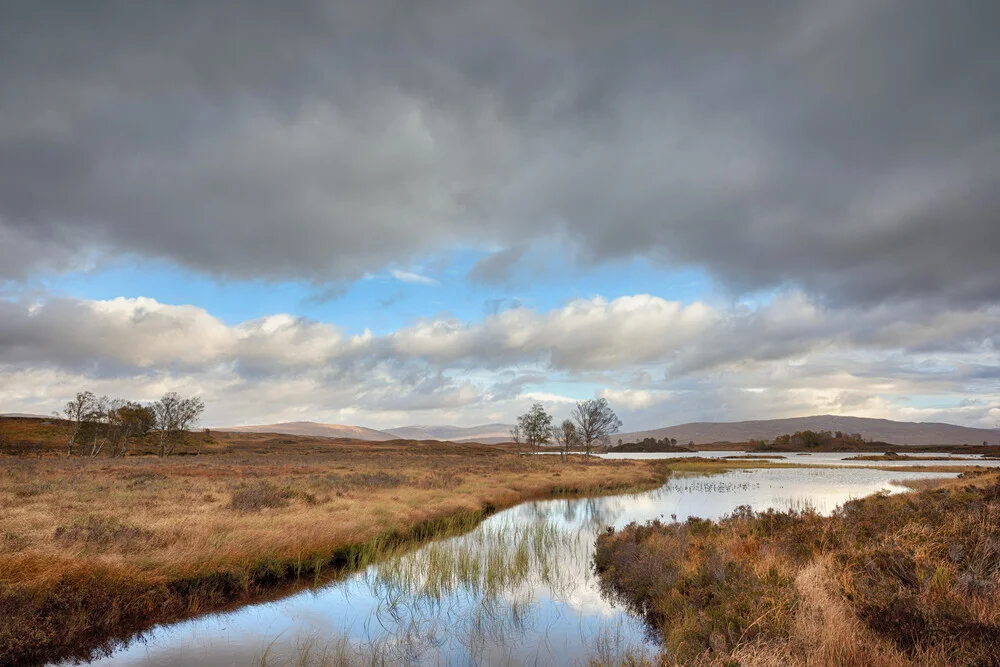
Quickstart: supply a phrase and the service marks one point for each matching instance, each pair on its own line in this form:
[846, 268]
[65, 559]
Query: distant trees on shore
[567, 437]
[662, 443]
[590, 422]
[810, 439]
[535, 427]
[102, 424]
[595, 421]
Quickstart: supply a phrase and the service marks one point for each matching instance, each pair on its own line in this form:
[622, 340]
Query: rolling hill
[878, 430]
[315, 429]
[487, 433]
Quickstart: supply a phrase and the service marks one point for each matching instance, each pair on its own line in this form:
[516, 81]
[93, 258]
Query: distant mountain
[315, 429]
[487, 433]
[24, 415]
[879, 430]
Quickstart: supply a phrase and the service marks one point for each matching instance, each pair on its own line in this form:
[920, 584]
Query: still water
[518, 589]
[840, 459]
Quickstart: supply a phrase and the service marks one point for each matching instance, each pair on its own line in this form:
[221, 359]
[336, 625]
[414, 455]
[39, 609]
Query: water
[821, 458]
[518, 589]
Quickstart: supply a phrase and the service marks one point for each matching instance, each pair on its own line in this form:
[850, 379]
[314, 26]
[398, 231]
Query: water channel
[519, 589]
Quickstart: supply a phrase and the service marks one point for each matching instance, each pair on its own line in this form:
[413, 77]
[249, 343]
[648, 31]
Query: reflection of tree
[599, 513]
[480, 592]
[480, 588]
[582, 513]
[570, 512]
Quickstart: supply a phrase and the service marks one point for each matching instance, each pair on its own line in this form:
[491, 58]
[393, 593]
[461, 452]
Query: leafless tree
[78, 413]
[101, 424]
[515, 435]
[174, 415]
[566, 437]
[595, 421]
[166, 410]
[188, 414]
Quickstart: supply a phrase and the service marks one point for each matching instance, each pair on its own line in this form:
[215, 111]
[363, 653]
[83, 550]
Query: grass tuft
[103, 531]
[258, 496]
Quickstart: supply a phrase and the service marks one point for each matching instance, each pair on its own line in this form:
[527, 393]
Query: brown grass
[96, 549]
[886, 580]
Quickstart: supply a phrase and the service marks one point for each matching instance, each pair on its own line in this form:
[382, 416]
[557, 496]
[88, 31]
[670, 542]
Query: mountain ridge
[314, 429]
[492, 432]
[878, 430]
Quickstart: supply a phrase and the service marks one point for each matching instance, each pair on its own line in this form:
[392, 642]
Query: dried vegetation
[885, 580]
[94, 550]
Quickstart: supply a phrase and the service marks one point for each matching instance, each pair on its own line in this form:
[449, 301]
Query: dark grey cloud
[497, 266]
[850, 148]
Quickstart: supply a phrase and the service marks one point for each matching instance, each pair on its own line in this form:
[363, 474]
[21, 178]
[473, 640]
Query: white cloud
[656, 361]
[584, 334]
[634, 399]
[413, 278]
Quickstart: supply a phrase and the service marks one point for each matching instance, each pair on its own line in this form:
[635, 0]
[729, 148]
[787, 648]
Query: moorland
[95, 548]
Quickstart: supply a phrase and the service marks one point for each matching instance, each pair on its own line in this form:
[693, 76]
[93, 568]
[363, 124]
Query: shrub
[363, 480]
[102, 531]
[921, 571]
[258, 496]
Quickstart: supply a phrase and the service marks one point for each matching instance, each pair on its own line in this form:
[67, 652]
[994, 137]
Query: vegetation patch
[918, 575]
[258, 496]
[103, 531]
[32, 489]
[444, 479]
[120, 544]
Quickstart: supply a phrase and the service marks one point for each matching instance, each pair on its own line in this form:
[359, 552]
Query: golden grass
[94, 548]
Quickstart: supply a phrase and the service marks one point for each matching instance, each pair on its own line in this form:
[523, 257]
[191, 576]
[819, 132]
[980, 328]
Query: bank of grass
[94, 550]
[886, 580]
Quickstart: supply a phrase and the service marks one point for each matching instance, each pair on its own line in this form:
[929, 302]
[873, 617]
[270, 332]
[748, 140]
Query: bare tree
[566, 437]
[515, 435]
[101, 424]
[78, 413]
[165, 410]
[536, 426]
[188, 413]
[595, 421]
[173, 416]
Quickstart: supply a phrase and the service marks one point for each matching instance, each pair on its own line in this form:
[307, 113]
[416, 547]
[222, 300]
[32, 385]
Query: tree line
[592, 421]
[102, 424]
[809, 439]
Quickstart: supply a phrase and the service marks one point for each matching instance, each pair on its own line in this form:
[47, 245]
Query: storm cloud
[850, 149]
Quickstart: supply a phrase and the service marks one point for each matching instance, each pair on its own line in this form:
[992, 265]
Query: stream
[518, 589]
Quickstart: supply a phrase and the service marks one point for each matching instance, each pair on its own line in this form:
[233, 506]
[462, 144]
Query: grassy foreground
[886, 580]
[93, 550]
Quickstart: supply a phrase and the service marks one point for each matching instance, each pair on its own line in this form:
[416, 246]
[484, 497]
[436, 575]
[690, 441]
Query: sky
[388, 213]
